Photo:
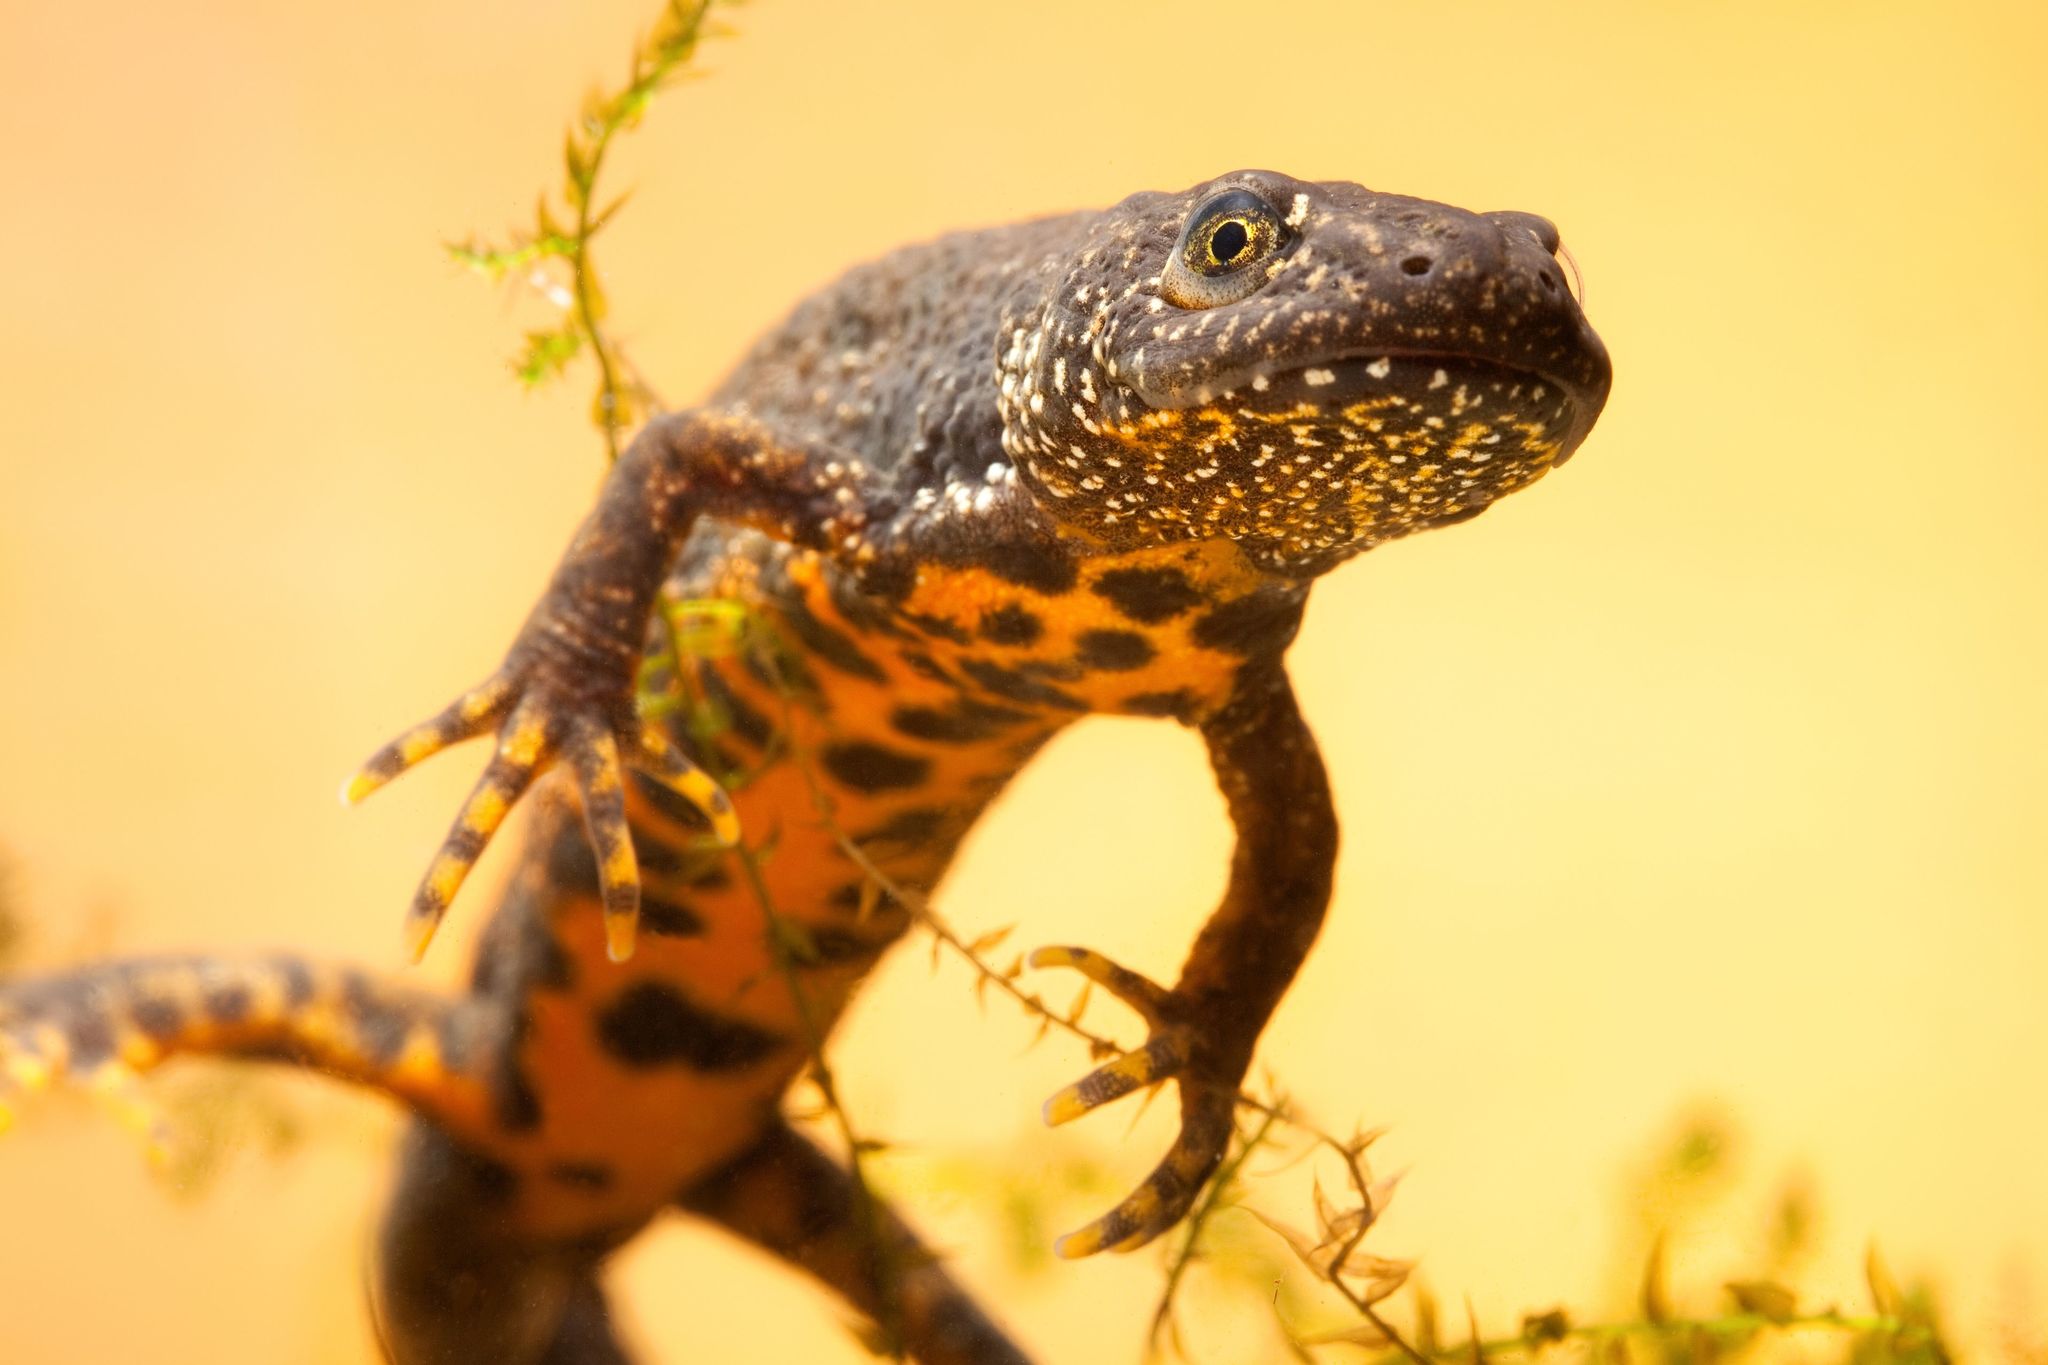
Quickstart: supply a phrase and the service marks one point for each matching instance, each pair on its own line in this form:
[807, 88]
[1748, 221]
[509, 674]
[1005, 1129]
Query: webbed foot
[549, 703]
[1173, 1050]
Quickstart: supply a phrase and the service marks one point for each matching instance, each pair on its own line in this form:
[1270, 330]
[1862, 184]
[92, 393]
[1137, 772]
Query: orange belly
[649, 1075]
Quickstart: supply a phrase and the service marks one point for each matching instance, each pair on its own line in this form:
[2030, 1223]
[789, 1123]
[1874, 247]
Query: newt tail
[104, 1025]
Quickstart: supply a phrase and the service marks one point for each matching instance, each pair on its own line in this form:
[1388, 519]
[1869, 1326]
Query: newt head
[1308, 369]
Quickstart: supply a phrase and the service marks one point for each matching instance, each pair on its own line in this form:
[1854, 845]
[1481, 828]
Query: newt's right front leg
[565, 692]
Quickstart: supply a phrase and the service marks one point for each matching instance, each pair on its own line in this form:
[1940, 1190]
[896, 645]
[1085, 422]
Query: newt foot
[544, 714]
[1207, 1105]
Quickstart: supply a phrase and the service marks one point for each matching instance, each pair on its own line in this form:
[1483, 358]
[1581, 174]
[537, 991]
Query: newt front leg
[565, 692]
[1203, 1031]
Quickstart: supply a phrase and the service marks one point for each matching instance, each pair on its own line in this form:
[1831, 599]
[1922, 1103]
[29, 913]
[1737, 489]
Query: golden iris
[1222, 240]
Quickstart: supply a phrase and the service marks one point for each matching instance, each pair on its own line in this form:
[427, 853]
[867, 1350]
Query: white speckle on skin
[1379, 369]
[1318, 378]
[1298, 214]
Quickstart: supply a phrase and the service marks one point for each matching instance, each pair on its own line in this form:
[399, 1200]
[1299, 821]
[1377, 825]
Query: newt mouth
[1569, 401]
[1446, 385]
[1394, 399]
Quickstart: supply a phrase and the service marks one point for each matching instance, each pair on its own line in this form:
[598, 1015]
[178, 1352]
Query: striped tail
[104, 1025]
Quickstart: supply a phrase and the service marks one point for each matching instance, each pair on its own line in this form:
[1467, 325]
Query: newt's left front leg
[1203, 1031]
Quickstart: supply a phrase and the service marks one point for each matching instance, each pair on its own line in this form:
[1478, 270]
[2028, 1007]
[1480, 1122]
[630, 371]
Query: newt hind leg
[792, 1200]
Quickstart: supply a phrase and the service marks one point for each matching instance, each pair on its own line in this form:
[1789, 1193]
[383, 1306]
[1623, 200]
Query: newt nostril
[1417, 265]
[1549, 279]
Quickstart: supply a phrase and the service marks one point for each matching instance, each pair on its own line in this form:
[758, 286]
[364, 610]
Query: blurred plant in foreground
[622, 398]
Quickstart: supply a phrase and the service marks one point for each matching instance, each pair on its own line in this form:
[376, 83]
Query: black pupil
[1230, 241]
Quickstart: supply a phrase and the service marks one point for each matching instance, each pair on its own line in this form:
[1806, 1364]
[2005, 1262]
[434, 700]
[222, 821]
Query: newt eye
[1223, 239]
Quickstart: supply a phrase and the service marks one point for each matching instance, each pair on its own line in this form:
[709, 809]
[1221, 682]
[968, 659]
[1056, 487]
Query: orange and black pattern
[968, 494]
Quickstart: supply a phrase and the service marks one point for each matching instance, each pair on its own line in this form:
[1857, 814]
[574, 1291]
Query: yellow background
[1710, 771]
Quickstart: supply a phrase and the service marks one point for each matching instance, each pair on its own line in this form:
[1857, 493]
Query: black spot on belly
[669, 918]
[925, 665]
[1149, 596]
[964, 722]
[829, 646]
[1060, 670]
[650, 1024]
[660, 859]
[938, 626]
[716, 877]
[870, 767]
[913, 828]
[863, 611]
[746, 723]
[1113, 650]
[1011, 624]
[834, 947]
[582, 1175]
[1181, 704]
[1015, 685]
[852, 895]
[1259, 623]
[1042, 565]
